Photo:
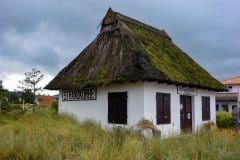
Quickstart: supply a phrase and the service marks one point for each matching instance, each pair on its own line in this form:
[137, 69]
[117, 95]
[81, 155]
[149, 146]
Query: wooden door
[186, 113]
[117, 107]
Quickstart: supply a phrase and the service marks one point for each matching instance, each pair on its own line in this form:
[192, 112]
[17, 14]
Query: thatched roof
[127, 50]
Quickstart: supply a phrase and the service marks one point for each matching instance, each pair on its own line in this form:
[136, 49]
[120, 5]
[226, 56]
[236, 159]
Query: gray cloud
[49, 34]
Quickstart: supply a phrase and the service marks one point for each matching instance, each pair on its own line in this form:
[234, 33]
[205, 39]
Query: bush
[55, 105]
[13, 107]
[224, 119]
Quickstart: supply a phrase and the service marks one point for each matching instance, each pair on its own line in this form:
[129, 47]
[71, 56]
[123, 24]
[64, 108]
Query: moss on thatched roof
[128, 50]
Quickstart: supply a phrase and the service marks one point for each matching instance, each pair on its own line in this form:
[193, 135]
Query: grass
[46, 135]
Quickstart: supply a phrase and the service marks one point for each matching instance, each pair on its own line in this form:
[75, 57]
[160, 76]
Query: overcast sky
[48, 34]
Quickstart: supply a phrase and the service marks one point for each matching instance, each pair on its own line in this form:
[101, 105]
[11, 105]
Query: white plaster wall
[150, 89]
[141, 103]
[97, 110]
[235, 88]
[197, 106]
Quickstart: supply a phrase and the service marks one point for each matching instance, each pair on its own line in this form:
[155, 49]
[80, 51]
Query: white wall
[235, 88]
[197, 105]
[150, 90]
[141, 103]
[97, 110]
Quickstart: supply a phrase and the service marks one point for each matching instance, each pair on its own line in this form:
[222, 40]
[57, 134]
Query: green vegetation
[46, 135]
[224, 119]
[54, 106]
[103, 71]
[31, 80]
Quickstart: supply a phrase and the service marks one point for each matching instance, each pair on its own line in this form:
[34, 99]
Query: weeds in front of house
[47, 135]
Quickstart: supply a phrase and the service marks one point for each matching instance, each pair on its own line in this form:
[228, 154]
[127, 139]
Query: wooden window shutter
[208, 108]
[163, 108]
[205, 108]
[117, 107]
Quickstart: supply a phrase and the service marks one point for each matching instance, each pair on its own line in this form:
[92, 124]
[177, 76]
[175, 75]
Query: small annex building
[43, 100]
[133, 71]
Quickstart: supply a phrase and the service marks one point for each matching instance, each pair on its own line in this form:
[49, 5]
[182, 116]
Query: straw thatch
[127, 50]
[147, 124]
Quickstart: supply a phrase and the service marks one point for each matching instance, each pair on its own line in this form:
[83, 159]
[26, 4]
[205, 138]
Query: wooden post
[23, 105]
[236, 119]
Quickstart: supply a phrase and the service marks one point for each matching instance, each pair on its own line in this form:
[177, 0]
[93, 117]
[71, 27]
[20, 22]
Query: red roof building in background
[232, 81]
[230, 99]
[45, 100]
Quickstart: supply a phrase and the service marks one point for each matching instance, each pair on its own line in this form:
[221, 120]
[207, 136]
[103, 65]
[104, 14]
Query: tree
[28, 96]
[14, 97]
[3, 98]
[30, 82]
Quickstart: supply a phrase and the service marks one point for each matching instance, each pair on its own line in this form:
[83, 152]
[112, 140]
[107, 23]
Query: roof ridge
[132, 20]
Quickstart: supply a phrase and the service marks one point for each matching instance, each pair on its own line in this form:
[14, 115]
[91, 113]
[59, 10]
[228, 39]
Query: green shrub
[224, 119]
[14, 107]
[54, 106]
[3, 104]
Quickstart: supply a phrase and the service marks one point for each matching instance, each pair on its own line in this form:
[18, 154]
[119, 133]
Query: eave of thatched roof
[129, 50]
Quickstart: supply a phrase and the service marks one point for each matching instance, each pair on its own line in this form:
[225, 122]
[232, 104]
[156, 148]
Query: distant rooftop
[233, 80]
[45, 100]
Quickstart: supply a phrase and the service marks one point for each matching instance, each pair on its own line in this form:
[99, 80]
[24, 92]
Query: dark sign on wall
[80, 95]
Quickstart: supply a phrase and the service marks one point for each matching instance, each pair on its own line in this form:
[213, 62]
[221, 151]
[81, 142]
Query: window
[229, 88]
[117, 107]
[205, 108]
[163, 108]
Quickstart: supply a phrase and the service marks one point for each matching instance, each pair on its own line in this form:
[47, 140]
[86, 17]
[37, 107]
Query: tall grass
[46, 135]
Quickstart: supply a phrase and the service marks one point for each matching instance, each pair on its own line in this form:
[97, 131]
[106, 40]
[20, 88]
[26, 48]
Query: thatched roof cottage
[132, 71]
